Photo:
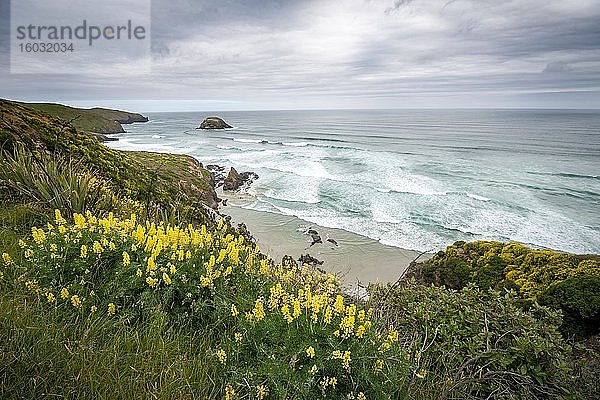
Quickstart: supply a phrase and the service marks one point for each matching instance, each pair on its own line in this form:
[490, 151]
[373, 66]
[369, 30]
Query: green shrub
[477, 343]
[579, 299]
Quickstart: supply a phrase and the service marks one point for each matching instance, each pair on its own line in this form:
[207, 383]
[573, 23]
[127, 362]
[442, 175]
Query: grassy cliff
[164, 179]
[102, 298]
[97, 120]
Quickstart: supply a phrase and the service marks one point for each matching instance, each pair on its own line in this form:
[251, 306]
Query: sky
[322, 54]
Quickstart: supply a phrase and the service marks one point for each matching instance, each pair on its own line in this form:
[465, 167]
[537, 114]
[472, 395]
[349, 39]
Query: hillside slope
[97, 120]
[163, 179]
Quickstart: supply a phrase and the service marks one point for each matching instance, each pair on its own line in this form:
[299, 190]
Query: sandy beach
[355, 259]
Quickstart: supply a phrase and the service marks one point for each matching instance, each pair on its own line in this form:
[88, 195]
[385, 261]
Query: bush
[477, 343]
[579, 298]
[276, 329]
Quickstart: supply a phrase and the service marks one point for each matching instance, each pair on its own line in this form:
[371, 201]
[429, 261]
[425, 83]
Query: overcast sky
[288, 54]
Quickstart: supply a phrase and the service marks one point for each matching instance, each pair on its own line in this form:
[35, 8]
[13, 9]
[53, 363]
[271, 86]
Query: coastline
[356, 259]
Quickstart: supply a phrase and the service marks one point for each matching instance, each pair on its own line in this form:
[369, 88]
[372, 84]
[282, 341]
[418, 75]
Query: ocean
[414, 179]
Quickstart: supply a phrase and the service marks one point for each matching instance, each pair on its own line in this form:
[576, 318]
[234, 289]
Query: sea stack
[214, 123]
[238, 181]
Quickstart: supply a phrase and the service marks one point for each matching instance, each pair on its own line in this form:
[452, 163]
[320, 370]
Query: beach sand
[356, 259]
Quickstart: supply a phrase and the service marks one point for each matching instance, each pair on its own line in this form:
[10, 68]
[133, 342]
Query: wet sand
[355, 259]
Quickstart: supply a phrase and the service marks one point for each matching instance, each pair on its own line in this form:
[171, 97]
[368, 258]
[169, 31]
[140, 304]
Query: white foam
[295, 144]
[477, 197]
[247, 140]
[156, 137]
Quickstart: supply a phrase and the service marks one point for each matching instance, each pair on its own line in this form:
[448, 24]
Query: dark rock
[218, 174]
[132, 118]
[310, 260]
[214, 123]
[238, 181]
[103, 138]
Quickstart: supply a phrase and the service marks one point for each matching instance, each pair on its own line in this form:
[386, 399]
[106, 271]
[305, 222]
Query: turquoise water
[416, 179]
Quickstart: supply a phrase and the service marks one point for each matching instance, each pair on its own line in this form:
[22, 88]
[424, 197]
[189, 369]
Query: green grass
[165, 180]
[49, 354]
[98, 120]
[174, 317]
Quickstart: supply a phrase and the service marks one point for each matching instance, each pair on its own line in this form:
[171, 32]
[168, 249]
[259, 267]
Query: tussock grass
[51, 354]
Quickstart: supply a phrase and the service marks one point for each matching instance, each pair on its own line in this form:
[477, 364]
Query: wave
[241, 140]
[564, 175]
[477, 197]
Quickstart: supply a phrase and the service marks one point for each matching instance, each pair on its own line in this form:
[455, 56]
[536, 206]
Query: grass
[50, 354]
[123, 308]
[98, 120]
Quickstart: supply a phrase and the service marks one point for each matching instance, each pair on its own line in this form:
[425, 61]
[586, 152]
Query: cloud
[356, 53]
[558, 66]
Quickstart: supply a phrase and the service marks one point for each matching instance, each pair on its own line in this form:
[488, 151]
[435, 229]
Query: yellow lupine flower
[261, 392]
[39, 236]
[126, 259]
[97, 248]
[76, 301]
[361, 396]
[234, 311]
[339, 305]
[93, 309]
[378, 366]
[50, 297]
[310, 352]
[64, 293]
[258, 311]
[6, 258]
[151, 281]
[172, 269]
[421, 374]
[222, 356]
[166, 279]
[111, 309]
[229, 392]
[238, 337]
[79, 220]
[84, 250]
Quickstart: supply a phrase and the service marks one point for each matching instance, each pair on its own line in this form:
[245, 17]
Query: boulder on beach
[237, 181]
[214, 123]
[310, 260]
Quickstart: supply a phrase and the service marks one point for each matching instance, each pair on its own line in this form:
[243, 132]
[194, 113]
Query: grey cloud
[558, 66]
[318, 52]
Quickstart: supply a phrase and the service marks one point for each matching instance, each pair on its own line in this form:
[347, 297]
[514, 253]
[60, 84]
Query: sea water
[415, 179]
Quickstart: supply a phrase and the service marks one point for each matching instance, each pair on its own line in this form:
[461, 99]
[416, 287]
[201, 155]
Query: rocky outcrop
[309, 260]
[214, 123]
[238, 181]
[218, 174]
[132, 118]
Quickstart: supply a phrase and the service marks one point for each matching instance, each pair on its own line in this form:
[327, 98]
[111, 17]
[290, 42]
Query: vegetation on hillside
[565, 281]
[114, 284]
[166, 181]
[98, 120]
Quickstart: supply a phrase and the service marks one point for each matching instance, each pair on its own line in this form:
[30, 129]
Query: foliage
[579, 298]
[511, 265]
[98, 120]
[477, 343]
[150, 178]
[278, 329]
[48, 352]
[55, 182]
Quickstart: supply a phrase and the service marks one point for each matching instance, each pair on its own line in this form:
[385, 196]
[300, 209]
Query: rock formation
[214, 123]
